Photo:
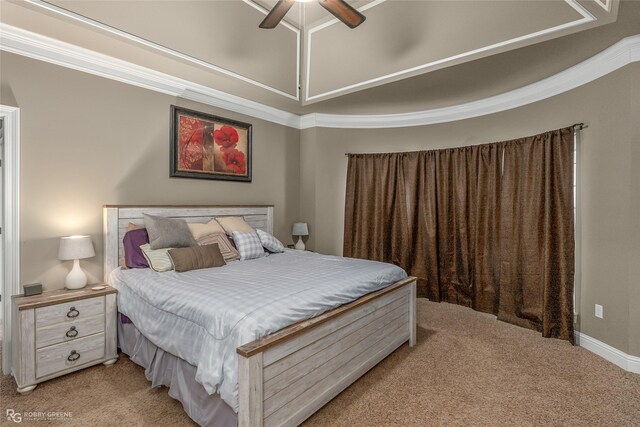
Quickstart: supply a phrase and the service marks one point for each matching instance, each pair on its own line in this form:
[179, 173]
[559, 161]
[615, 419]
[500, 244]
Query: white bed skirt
[165, 369]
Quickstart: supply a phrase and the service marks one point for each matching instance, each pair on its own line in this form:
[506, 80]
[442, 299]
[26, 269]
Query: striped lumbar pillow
[158, 259]
[229, 253]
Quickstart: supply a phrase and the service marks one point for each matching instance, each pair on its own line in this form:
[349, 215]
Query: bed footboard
[286, 377]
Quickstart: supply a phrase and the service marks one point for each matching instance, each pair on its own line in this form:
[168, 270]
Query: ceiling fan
[339, 8]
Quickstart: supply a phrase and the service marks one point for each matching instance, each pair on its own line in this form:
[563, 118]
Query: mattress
[202, 316]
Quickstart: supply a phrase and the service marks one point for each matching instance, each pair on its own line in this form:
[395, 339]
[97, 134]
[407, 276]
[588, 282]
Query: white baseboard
[613, 355]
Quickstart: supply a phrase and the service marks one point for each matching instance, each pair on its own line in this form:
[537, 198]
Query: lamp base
[76, 279]
[300, 244]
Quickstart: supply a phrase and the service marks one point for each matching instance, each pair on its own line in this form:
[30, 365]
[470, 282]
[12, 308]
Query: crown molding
[36, 46]
[175, 53]
[605, 4]
[308, 36]
[586, 18]
[624, 52]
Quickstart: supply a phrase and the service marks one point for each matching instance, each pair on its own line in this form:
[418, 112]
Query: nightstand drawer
[64, 332]
[61, 357]
[69, 312]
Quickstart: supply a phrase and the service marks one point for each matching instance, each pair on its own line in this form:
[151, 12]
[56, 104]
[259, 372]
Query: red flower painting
[234, 160]
[209, 147]
[226, 137]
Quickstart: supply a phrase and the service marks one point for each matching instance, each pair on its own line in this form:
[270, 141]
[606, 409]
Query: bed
[259, 342]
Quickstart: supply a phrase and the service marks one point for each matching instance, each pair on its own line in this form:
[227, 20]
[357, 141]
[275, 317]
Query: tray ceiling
[312, 57]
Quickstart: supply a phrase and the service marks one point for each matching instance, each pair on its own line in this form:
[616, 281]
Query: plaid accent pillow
[248, 245]
[269, 242]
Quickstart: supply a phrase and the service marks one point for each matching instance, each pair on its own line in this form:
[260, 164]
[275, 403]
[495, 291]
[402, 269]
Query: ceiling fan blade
[341, 10]
[277, 13]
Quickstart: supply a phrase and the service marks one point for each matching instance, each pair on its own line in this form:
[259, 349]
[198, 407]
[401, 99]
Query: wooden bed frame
[287, 376]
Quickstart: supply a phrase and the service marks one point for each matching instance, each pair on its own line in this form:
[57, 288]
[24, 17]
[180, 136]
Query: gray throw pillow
[168, 232]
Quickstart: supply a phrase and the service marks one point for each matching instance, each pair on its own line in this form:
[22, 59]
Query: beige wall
[308, 146]
[609, 186]
[88, 141]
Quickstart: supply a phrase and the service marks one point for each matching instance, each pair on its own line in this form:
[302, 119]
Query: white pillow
[269, 242]
[248, 245]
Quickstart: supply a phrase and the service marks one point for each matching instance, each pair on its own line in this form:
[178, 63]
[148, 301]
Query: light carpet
[467, 369]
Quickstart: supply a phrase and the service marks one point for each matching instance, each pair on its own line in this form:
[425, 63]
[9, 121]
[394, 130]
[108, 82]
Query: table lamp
[75, 248]
[300, 229]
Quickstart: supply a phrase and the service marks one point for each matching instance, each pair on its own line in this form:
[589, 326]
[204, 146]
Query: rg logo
[14, 416]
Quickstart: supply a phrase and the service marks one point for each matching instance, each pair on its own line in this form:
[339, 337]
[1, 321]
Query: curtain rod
[576, 126]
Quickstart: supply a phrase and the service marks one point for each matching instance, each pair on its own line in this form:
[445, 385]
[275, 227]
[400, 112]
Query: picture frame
[204, 146]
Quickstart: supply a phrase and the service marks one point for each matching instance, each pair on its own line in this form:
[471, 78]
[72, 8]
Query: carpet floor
[467, 369]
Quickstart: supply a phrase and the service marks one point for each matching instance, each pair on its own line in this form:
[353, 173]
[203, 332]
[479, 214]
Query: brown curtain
[467, 190]
[421, 239]
[377, 222]
[537, 234]
[433, 213]
[500, 243]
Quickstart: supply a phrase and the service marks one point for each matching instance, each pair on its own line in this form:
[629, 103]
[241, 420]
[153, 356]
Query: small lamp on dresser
[300, 229]
[75, 248]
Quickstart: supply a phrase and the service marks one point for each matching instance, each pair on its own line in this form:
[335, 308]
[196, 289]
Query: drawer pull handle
[73, 313]
[71, 333]
[73, 356]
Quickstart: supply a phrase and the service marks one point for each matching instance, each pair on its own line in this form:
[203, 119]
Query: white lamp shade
[300, 229]
[75, 247]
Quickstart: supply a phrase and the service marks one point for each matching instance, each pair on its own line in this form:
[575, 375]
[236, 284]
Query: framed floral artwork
[209, 147]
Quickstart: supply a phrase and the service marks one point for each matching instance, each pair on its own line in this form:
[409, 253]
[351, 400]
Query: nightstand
[62, 331]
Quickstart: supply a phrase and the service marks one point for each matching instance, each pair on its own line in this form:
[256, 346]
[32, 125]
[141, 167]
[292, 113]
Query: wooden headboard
[117, 218]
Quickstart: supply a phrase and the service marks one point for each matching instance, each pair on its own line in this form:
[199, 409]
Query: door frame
[11, 227]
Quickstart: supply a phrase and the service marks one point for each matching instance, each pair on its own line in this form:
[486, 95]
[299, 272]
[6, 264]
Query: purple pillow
[133, 257]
